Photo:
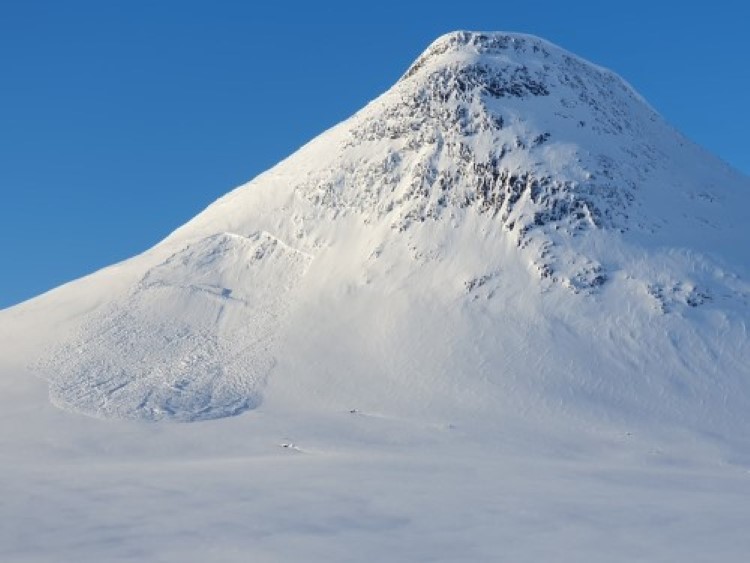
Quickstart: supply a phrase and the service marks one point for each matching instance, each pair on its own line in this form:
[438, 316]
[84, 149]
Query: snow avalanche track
[192, 340]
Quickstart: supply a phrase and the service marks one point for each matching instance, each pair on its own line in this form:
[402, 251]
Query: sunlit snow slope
[508, 233]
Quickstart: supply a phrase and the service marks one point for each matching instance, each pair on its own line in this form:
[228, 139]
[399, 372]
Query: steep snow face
[547, 145]
[509, 229]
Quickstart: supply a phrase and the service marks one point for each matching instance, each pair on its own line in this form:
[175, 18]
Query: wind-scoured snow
[505, 263]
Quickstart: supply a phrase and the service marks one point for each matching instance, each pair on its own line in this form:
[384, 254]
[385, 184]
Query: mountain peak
[511, 126]
[501, 177]
[513, 53]
[467, 44]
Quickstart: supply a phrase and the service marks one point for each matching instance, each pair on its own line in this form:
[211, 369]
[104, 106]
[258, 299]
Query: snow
[499, 313]
[360, 487]
[191, 341]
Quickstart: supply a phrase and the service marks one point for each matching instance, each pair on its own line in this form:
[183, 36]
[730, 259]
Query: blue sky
[121, 120]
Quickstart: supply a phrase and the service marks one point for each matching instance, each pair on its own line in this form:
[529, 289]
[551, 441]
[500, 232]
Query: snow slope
[507, 266]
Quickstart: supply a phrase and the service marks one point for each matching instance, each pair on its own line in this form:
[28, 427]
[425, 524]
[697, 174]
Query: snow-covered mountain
[509, 232]
[499, 314]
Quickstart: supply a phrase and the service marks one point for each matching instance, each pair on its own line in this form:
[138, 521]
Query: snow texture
[192, 340]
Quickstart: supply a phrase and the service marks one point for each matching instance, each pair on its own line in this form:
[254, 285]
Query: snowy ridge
[508, 229]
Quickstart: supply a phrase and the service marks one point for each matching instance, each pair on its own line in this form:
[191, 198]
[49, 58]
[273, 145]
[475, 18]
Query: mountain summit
[509, 232]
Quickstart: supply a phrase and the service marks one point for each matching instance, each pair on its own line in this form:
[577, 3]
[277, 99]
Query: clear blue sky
[120, 120]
